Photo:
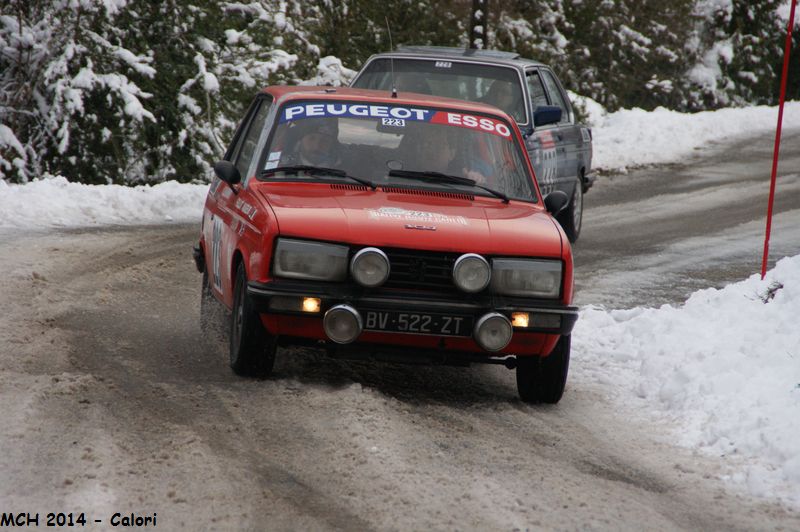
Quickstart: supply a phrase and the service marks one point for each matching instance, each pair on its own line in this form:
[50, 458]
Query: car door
[566, 133]
[541, 143]
[230, 209]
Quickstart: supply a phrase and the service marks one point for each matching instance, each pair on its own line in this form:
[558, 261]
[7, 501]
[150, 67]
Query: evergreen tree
[352, 30]
[213, 58]
[736, 43]
[126, 91]
[621, 53]
[69, 105]
[793, 79]
[135, 91]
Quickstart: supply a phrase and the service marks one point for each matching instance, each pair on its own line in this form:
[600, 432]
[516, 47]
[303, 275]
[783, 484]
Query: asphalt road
[658, 234]
[112, 403]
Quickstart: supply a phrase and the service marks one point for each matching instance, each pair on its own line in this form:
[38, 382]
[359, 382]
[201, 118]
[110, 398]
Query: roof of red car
[284, 93]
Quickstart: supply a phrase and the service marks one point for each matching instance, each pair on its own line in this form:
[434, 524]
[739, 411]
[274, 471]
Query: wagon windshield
[402, 145]
[476, 82]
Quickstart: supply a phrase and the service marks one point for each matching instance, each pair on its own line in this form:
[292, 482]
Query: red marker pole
[786, 53]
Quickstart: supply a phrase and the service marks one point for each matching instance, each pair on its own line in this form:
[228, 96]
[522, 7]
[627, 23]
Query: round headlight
[342, 324]
[370, 267]
[493, 331]
[471, 273]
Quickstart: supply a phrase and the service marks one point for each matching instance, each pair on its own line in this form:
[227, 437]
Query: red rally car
[397, 228]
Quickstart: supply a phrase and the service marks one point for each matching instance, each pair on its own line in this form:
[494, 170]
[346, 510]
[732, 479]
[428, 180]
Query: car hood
[418, 219]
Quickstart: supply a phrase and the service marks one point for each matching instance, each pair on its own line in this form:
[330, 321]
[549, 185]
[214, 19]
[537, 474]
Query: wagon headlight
[471, 273]
[526, 277]
[370, 267]
[318, 261]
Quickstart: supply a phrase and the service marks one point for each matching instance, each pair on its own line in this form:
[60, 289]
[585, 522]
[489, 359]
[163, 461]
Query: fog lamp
[520, 319]
[342, 324]
[311, 304]
[493, 331]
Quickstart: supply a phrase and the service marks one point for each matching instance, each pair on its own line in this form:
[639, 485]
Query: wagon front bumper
[287, 297]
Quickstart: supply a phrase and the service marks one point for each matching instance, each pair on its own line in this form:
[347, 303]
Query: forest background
[136, 91]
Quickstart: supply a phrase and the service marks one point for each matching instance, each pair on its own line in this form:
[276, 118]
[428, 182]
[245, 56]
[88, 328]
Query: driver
[501, 94]
[317, 145]
[433, 149]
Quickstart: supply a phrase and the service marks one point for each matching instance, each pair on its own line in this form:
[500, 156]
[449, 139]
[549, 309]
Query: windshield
[395, 145]
[495, 85]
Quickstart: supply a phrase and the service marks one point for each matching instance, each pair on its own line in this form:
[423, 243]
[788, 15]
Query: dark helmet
[323, 126]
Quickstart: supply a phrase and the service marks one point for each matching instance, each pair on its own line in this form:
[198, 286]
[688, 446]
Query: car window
[556, 98]
[496, 85]
[535, 89]
[370, 140]
[250, 139]
[236, 143]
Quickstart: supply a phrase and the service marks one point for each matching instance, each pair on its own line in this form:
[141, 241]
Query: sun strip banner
[397, 115]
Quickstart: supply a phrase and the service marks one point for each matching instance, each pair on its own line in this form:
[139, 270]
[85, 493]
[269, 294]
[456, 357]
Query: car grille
[420, 270]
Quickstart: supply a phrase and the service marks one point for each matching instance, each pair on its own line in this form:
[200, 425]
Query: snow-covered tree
[737, 45]
[132, 90]
[793, 79]
[352, 30]
[621, 53]
[68, 103]
[211, 60]
[137, 91]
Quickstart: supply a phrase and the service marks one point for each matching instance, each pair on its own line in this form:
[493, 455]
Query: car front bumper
[275, 299]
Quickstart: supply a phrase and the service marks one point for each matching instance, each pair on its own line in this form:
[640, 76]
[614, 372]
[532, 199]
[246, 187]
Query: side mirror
[527, 132]
[546, 114]
[555, 202]
[227, 172]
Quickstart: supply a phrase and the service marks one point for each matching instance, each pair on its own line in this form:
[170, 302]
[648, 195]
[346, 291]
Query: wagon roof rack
[464, 52]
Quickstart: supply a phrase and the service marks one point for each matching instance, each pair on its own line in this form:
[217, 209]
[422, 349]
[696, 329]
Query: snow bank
[58, 203]
[634, 137]
[331, 71]
[724, 368]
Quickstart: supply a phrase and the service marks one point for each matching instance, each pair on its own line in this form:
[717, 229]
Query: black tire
[252, 349]
[206, 303]
[214, 319]
[571, 218]
[543, 379]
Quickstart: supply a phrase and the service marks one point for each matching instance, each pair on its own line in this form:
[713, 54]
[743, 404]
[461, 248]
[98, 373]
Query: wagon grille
[420, 270]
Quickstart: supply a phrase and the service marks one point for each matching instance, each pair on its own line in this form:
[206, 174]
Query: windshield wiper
[439, 177]
[435, 177]
[317, 170]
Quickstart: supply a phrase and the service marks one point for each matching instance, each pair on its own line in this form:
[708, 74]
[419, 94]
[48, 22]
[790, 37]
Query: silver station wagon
[559, 147]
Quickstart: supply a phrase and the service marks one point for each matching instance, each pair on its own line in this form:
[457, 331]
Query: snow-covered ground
[724, 368]
[635, 137]
[58, 203]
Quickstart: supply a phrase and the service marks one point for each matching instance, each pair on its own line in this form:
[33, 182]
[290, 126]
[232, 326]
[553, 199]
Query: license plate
[418, 322]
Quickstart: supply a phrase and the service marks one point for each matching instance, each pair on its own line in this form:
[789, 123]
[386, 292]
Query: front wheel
[210, 322]
[252, 348]
[542, 379]
[571, 218]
